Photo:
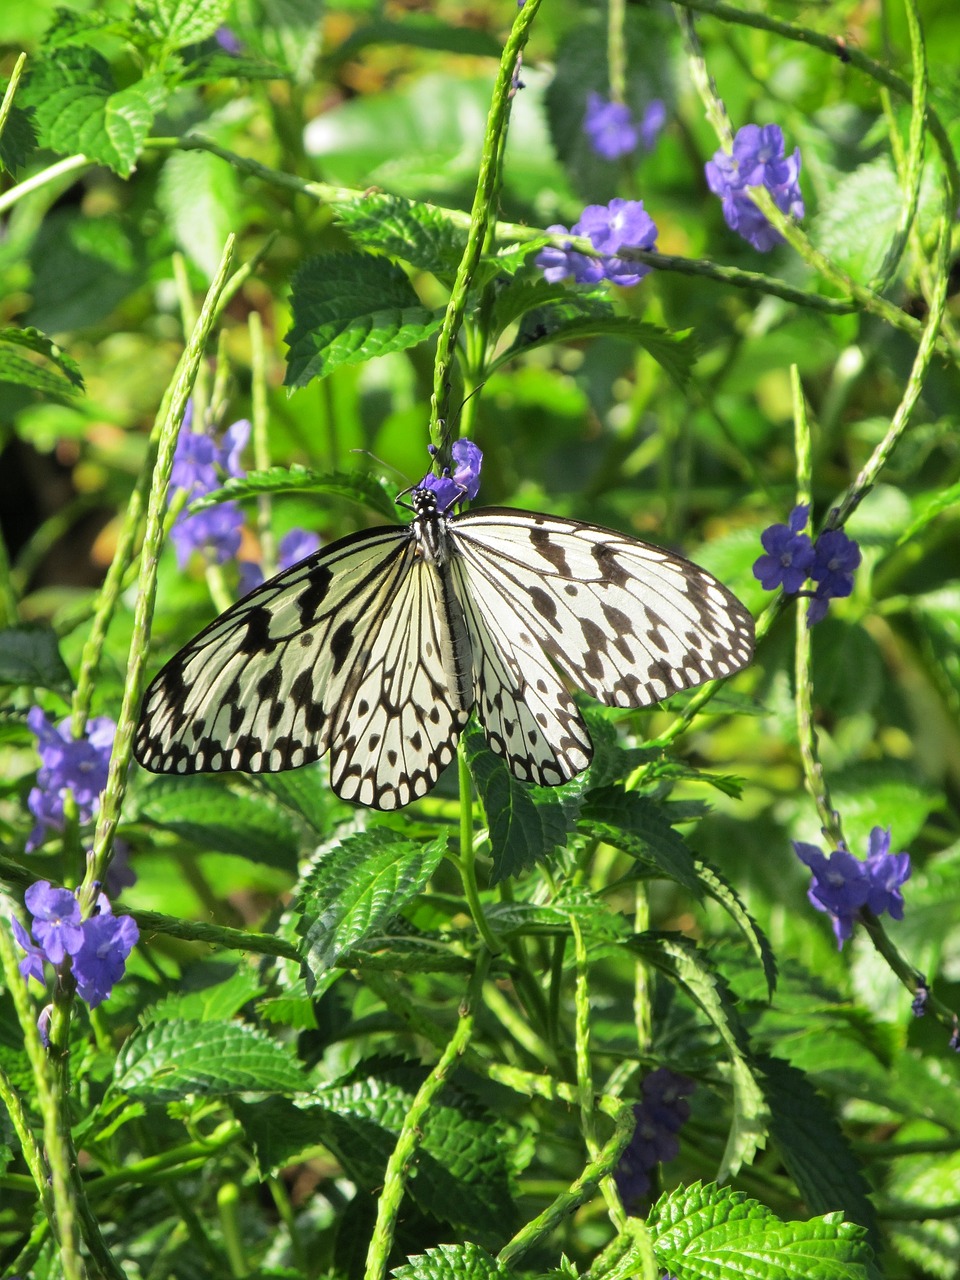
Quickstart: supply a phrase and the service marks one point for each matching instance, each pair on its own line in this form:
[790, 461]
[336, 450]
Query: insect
[376, 648]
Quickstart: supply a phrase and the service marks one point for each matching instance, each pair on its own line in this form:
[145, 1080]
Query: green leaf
[208, 68]
[168, 1061]
[348, 308]
[686, 965]
[452, 1262]
[525, 823]
[217, 1003]
[353, 890]
[675, 352]
[812, 1145]
[357, 486]
[723, 892]
[22, 372]
[419, 31]
[30, 657]
[637, 825]
[200, 195]
[304, 792]
[18, 140]
[220, 819]
[289, 33]
[182, 22]
[714, 1233]
[34, 340]
[76, 109]
[420, 234]
[925, 1181]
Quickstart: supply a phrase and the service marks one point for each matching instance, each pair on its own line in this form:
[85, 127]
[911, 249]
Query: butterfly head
[451, 490]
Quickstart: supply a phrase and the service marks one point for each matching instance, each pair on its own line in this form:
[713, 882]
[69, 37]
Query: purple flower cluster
[843, 884]
[791, 558]
[661, 1114]
[622, 224]
[464, 484]
[612, 131]
[97, 947]
[199, 466]
[294, 547]
[757, 160]
[78, 765]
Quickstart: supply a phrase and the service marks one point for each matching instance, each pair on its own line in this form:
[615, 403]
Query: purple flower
[216, 532]
[79, 765]
[557, 264]
[835, 558]
[100, 962]
[918, 1006]
[227, 41]
[231, 446]
[193, 463]
[43, 1025]
[31, 966]
[56, 920]
[609, 127]
[654, 118]
[757, 160]
[789, 554]
[294, 547]
[120, 875]
[661, 1113]
[464, 484]
[842, 884]
[622, 224]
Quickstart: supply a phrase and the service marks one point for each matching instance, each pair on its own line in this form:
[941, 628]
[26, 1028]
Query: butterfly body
[378, 647]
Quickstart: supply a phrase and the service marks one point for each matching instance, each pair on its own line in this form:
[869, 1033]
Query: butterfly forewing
[626, 621]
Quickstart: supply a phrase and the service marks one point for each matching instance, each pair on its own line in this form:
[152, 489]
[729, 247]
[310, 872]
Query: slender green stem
[401, 1160]
[228, 1201]
[11, 89]
[585, 1187]
[468, 857]
[617, 49]
[482, 213]
[121, 756]
[28, 1143]
[54, 171]
[55, 1140]
[261, 447]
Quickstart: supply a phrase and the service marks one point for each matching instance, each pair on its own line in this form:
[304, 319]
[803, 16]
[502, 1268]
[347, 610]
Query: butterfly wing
[626, 621]
[350, 651]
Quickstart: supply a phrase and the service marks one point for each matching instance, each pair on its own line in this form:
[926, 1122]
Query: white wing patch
[344, 651]
[629, 623]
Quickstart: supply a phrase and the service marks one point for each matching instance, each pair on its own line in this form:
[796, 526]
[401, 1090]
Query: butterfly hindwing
[629, 623]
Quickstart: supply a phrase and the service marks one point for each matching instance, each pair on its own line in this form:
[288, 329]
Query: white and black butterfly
[377, 647]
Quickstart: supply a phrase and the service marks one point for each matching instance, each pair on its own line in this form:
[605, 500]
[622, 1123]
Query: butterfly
[376, 649]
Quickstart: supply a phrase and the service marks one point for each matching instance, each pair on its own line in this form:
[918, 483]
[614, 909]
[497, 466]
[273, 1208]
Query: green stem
[28, 1143]
[54, 171]
[402, 1157]
[586, 1186]
[480, 216]
[617, 49]
[9, 94]
[112, 799]
[261, 448]
[468, 857]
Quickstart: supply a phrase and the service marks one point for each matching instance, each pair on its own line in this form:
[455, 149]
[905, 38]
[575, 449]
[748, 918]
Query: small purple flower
[232, 444]
[558, 264]
[835, 558]
[43, 1025]
[654, 118]
[216, 532]
[31, 966]
[622, 224]
[464, 484]
[789, 554]
[609, 127]
[100, 962]
[661, 1113]
[918, 1006]
[56, 920]
[193, 462]
[79, 765]
[227, 40]
[842, 884]
[757, 160]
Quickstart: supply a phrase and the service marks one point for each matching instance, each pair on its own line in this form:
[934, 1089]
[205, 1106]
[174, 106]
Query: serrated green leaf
[719, 888]
[77, 110]
[417, 233]
[525, 823]
[200, 195]
[182, 22]
[929, 1180]
[211, 67]
[168, 1061]
[219, 819]
[812, 1145]
[452, 1262]
[353, 889]
[16, 368]
[356, 486]
[290, 33]
[714, 1233]
[19, 139]
[524, 298]
[303, 791]
[38, 342]
[217, 1003]
[686, 965]
[348, 308]
[637, 825]
[30, 657]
